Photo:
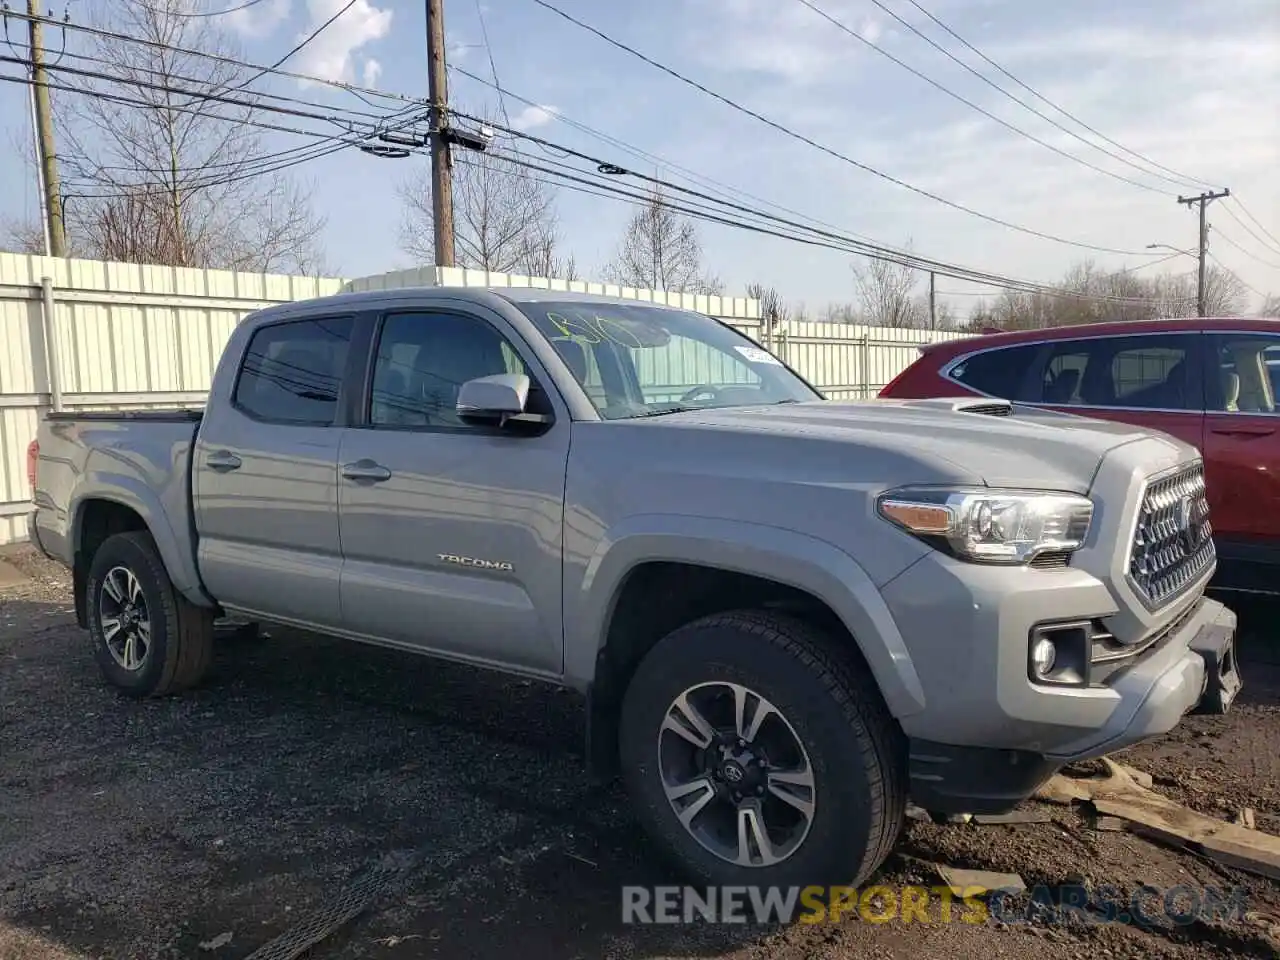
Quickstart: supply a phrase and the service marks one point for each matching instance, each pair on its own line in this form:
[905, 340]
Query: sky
[1190, 85]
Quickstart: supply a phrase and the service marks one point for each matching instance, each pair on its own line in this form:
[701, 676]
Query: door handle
[366, 470]
[1243, 431]
[222, 461]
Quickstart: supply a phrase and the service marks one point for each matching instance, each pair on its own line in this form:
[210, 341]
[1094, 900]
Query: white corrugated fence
[128, 336]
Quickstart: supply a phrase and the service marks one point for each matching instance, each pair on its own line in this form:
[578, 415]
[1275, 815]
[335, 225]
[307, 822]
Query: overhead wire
[1181, 177]
[830, 151]
[1249, 230]
[204, 13]
[840, 25]
[842, 243]
[1248, 253]
[1256, 221]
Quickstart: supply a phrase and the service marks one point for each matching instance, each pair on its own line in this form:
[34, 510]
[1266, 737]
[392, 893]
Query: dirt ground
[310, 774]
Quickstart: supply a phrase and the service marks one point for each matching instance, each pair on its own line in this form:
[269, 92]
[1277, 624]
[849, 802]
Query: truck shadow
[147, 829]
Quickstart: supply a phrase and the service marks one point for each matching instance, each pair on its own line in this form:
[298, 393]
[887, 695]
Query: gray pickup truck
[787, 614]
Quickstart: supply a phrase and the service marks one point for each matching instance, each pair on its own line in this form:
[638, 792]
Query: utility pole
[1204, 200]
[933, 301]
[441, 159]
[44, 136]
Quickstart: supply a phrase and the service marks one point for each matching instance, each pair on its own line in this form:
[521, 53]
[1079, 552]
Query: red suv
[1212, 382]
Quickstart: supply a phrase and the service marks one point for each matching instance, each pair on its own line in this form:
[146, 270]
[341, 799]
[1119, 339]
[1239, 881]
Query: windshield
[636, 361]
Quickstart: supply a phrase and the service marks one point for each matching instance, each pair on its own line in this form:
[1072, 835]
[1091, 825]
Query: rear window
[292, 371]
[999, 372]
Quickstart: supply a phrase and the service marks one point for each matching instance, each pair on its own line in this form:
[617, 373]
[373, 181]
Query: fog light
[1043, 654]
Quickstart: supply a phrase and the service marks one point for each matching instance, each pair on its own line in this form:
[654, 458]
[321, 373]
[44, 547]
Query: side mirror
[493, 399]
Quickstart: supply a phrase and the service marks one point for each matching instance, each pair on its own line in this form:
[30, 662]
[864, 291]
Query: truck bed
[136, 459]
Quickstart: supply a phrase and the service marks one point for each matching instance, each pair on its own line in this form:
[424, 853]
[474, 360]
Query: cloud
[531, 118]
[258, 20]
[372, 72]
[330, 55]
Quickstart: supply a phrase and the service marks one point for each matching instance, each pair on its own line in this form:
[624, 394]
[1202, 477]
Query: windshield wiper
[666, 410]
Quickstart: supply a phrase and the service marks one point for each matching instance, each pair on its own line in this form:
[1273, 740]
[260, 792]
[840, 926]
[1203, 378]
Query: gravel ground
[452, 801]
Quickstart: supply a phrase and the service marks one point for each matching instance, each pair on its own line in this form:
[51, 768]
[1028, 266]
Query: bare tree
[773, 311]
[503, 219]
[661, 250]
[887, 294]
[171, 176]
[1270, 306]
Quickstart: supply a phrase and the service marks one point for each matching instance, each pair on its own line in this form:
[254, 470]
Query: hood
[1006, 445]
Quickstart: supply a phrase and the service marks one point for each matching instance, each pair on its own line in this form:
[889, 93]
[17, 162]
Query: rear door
[265, 476]
[1242, 452]
[452, 532]
[1151, 380]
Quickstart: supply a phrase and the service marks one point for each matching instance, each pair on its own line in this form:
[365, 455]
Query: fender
[132, 491]
[791, 558]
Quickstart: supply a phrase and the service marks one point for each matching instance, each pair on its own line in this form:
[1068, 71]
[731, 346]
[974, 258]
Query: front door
[452, 532]
[1242, 455]
[265, 476]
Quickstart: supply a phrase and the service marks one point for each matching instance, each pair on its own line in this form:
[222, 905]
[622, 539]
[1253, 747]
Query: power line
[690, 208]
[844, 244]
[1232, 273]
[493, 67]
[209, 13]
[825, 149]
[1257, 222]
[301, 43]
[1182, 177]
[1249, 230]
[1247, 253]
[839, 24]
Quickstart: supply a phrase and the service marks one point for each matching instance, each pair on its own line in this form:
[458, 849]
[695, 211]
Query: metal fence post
[866, 363]
[49, 336]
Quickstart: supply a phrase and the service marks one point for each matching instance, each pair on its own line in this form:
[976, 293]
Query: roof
[482, 295]
[1118, 327]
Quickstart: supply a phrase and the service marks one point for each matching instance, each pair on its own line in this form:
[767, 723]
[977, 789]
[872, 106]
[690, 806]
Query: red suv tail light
[33, 455]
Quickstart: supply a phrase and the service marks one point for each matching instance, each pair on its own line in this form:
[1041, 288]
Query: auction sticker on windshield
[756, 355]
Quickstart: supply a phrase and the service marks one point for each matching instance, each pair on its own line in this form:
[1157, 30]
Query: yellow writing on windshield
[594, 329]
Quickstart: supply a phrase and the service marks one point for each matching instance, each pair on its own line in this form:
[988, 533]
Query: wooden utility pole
[441, 159]
[933, 301]
[44, 136]
[1204, 200]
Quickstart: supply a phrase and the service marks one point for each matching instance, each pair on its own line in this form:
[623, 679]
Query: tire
[851, 745]
[179, 635]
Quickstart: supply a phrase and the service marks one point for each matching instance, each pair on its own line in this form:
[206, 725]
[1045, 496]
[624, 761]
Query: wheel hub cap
[125, 619]
[736, 774]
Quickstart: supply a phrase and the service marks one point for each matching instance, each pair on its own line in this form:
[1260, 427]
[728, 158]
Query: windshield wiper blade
[659, 413]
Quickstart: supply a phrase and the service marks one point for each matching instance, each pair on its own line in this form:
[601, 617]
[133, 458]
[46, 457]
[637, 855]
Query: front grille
[1173, 540]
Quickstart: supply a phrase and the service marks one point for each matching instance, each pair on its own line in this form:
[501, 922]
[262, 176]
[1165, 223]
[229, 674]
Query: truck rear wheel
[149, 641]
[756, 755]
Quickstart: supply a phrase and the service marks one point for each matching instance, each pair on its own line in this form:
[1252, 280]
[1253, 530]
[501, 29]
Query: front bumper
[989, 736]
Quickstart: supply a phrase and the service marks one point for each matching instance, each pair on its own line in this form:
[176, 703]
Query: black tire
[181, 634]
[855, 749]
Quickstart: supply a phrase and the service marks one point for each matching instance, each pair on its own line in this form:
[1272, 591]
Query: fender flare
[786, 556]
[130, 491]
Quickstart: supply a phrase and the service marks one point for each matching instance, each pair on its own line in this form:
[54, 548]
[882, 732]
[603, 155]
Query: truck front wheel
[757, 754]
[149, 641]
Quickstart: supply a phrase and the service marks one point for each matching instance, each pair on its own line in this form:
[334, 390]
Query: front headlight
[990, 525]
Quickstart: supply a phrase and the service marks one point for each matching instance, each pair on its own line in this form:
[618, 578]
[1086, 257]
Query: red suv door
[1242, 455]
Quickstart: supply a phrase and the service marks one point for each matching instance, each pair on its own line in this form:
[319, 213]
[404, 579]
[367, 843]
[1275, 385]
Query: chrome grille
[1173, 540]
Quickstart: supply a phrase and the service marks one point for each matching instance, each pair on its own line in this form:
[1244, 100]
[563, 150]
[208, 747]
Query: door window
[292, 371]
[1147, 372]
[1244, 372]
[424, 359]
